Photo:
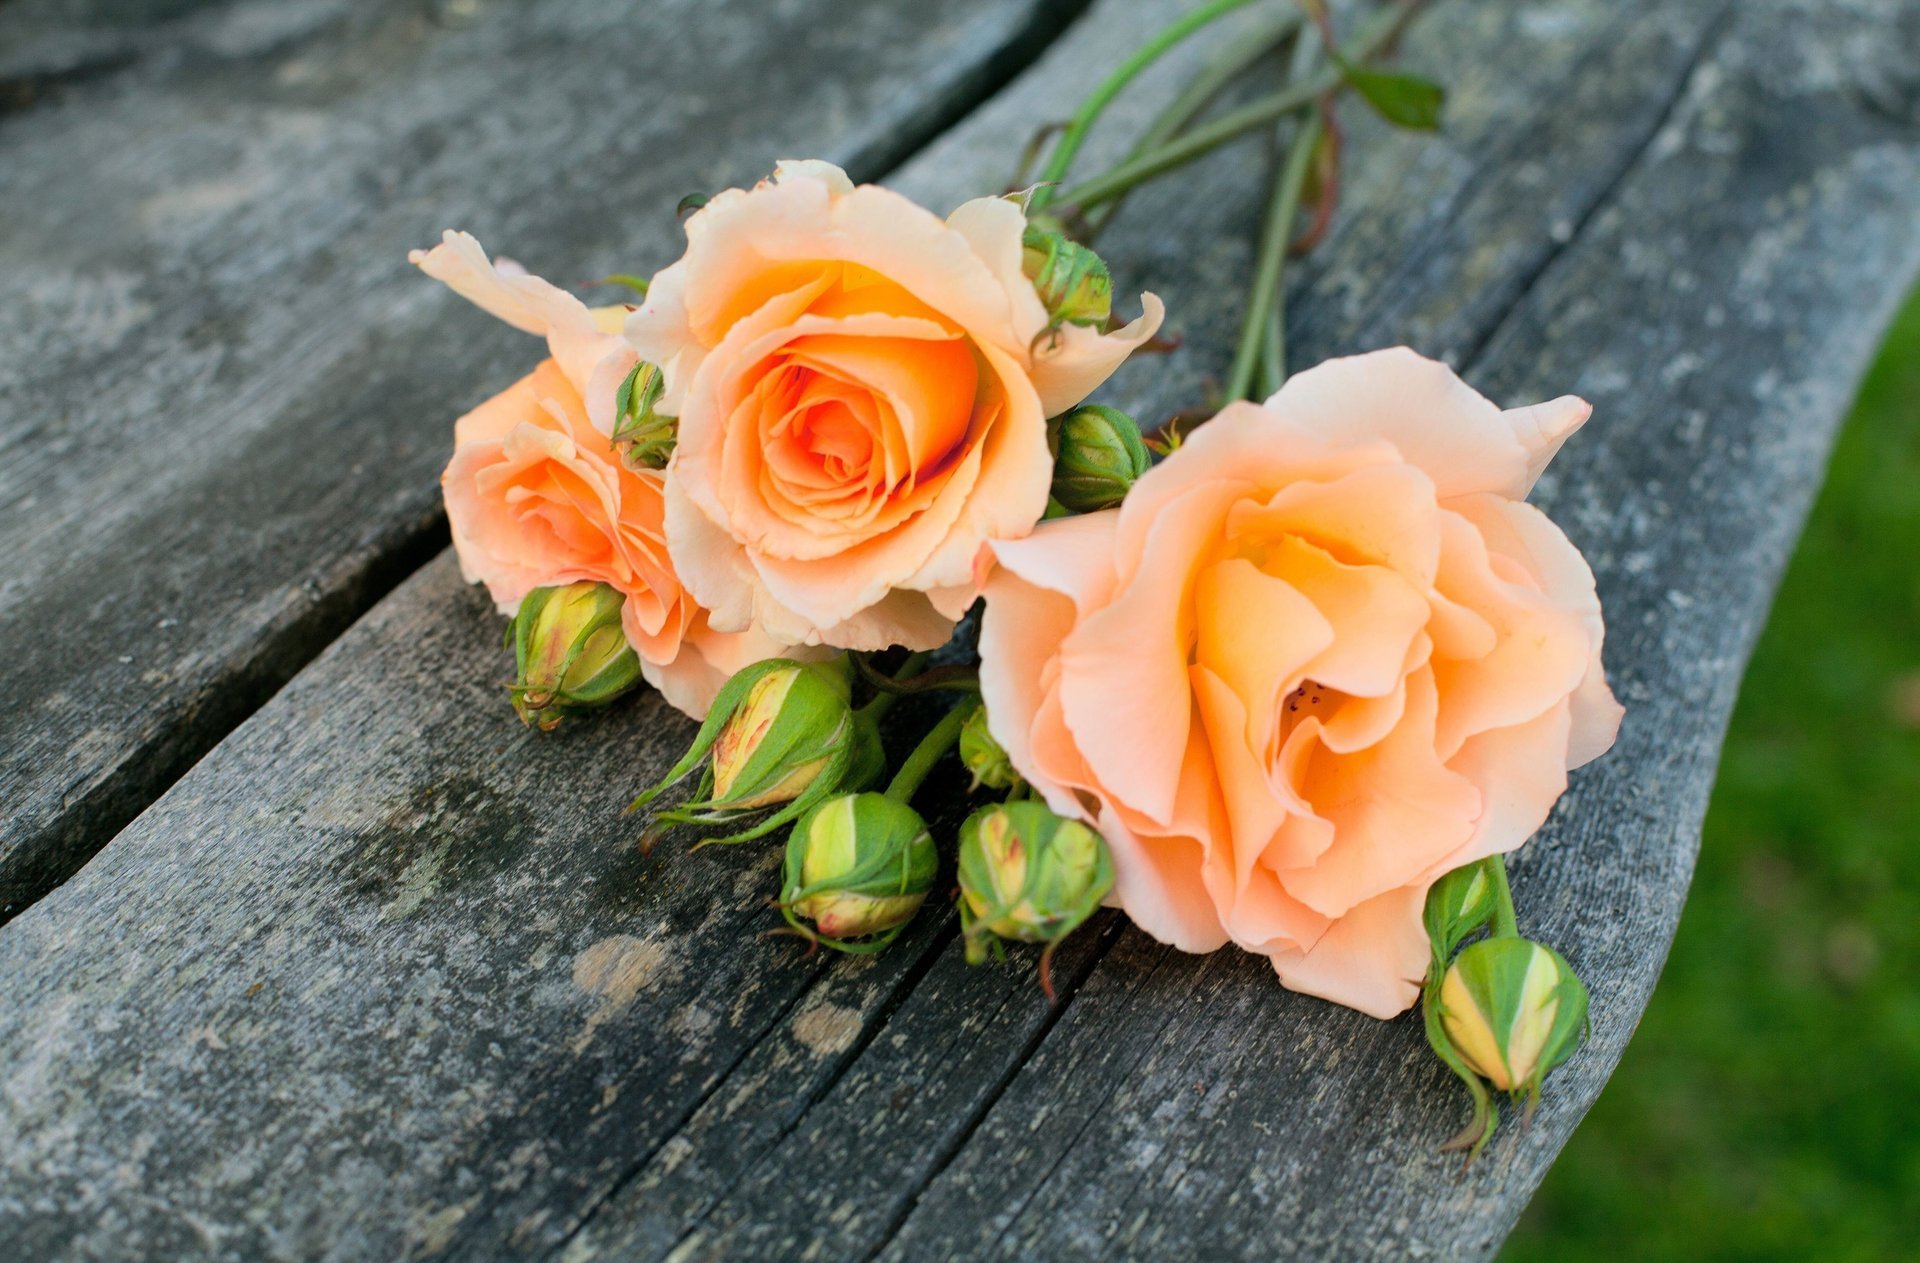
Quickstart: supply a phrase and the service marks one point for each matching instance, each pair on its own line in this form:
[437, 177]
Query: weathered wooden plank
[1718, 313]
[223, 394]
[749, 1095]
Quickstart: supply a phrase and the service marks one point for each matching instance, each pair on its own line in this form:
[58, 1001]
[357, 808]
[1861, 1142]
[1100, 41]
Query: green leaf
[1403, 100]
[638, 284]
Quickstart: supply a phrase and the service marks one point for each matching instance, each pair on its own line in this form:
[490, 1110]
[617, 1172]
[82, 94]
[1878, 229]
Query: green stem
[1257, 351]
[929, 752]
[1104, 92]
[883, 701]
[1505, 923]
[1196, 96]
[1209, 136]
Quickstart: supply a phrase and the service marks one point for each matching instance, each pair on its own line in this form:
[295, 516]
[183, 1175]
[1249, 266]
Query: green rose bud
[1071, 280]
[1506, 1012]
[781, 737]
[1097, 455]
[644, 435]
[858, 866]
[1458, 905]
[780, 732]
[983, 756]
[1029, 875]
[570, 653]
[1513, 1010]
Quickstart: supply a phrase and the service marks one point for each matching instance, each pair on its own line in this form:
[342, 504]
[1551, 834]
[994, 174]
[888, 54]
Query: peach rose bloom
[1320, 656]
[537, 496]
[862, 391]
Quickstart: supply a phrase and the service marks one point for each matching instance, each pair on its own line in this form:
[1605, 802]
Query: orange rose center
[858, 424]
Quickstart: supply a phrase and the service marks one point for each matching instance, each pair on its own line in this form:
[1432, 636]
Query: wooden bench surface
[385, 975]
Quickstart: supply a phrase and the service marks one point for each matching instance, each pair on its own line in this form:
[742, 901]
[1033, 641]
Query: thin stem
[1209, 136]
[1104, 92]
[1196, 96]
[1263, 299]
[1505, 923]
[884, 699]
[929, 752]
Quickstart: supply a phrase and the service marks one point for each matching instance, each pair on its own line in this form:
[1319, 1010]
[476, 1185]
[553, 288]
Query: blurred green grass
[1769, 1107]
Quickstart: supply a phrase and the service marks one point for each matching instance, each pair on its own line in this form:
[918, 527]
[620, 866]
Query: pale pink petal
[526, 302]
[1070, 363]
[1541, 428]
[1158, 881]
[1522, 532]
[1395, 809]
[1124, 669]
[812, 169]
[1372, 959]
[1437, 421]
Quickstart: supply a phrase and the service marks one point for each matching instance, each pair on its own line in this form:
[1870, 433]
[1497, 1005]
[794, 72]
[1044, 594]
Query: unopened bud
[644, 435]
[1027, 874]
[781, 737]
[1097, 456]
[858, 866]
[570, 652]
[780, 732]
[1458, 905]
[1071, 280]
[1512, 1010]
[984, 757]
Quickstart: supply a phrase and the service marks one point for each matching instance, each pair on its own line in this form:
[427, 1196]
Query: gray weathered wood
[223, 394]
[485, 1024]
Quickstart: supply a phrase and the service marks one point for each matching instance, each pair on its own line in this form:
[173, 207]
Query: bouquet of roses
[1296, 686]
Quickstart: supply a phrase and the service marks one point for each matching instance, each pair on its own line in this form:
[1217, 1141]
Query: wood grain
[224, 395]
[386, 975]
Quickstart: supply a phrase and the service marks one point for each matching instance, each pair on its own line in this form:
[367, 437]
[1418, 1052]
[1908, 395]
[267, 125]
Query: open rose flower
[1319, 656]
[537, 496]
[862, 390]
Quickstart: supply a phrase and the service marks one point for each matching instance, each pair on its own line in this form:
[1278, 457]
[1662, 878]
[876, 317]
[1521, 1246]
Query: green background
[1769, 1107]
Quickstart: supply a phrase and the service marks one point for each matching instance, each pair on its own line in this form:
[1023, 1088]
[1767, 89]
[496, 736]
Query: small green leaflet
[1403, 100]
[638, 284]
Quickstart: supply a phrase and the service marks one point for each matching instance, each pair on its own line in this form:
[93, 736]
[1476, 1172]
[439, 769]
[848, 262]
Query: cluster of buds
[570, 653]
[858, 866]
[646, 437]
[1028, 875]
[1098, 455]
[780, 734]
[1505, 1011]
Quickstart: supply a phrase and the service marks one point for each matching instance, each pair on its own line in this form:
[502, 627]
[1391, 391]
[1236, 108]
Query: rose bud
[1098, 455]
[1511, 1010]
[780, 732]
[985, 759]
[570, 653]
[858, 866]
[1030, 875]
[1458, 905]
[1071, 280]
[643, 435]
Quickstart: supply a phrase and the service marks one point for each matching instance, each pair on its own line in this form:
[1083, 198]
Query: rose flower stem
[1196, 96]
[883, 699]
[932, 746]
[1103, 93]
[1272, 369]
[1210, 136]
[1264, 297]
[1505, 923]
